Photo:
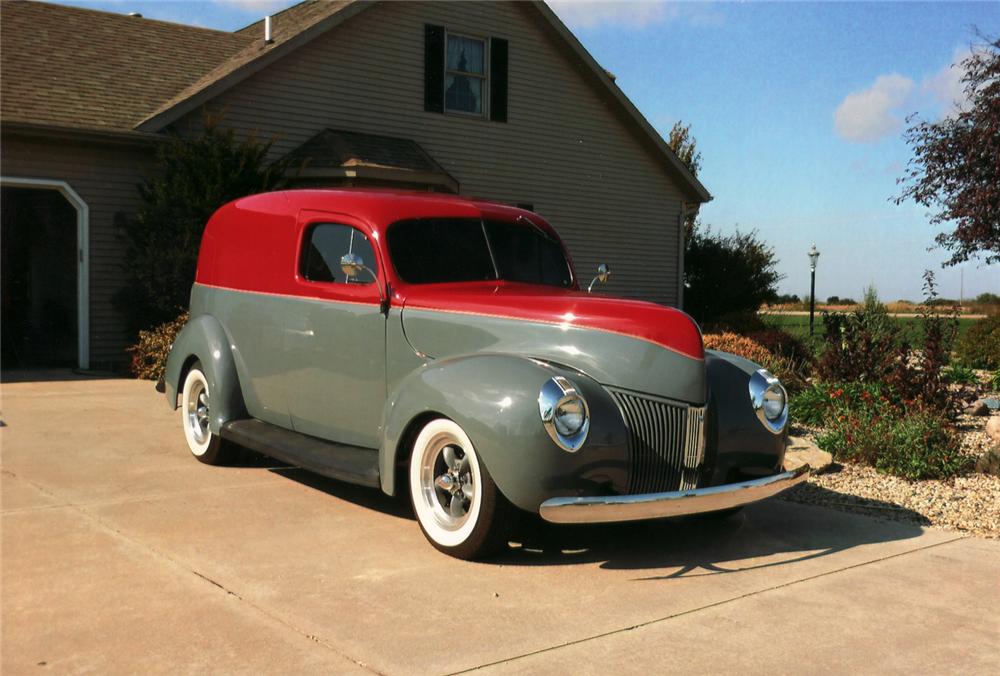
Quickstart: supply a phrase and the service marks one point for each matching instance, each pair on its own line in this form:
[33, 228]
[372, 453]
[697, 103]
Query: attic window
[465, 75]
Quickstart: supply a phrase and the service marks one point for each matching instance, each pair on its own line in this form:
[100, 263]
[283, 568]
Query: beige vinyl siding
[105, 177]
[567, 148]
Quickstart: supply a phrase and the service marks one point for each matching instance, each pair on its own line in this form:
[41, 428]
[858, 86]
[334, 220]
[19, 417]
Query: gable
[300, 24]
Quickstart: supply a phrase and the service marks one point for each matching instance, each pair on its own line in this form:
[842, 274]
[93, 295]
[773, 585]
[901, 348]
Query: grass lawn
[798, 325]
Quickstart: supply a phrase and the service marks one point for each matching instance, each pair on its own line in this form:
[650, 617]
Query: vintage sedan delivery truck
[443, 347]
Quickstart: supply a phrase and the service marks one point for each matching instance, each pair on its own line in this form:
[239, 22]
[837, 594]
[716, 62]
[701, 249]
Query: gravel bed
[968, 503]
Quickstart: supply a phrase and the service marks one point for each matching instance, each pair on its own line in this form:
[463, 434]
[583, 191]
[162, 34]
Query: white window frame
[484, 113]
[83, 254]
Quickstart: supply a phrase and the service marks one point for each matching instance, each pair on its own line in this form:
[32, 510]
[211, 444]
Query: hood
[623, 343]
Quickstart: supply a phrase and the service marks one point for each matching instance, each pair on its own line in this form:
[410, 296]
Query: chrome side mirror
[603, 272]
[352, 265]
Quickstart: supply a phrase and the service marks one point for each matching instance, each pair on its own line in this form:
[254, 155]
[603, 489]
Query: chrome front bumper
[611, 508]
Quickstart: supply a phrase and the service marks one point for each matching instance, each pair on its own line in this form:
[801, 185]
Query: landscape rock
[801, 451]
[993, 428]
[990, 462]
[978, 408]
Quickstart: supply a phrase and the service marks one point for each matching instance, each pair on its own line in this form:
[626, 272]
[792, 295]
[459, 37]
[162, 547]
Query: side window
[323, 247]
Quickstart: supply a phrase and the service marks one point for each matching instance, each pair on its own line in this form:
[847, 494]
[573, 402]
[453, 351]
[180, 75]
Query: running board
[337, 461]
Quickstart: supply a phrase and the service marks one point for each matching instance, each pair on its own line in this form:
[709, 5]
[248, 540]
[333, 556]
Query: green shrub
[190, 179]
[917, 444]
[149, 354]
[712, 261]
[995, 380]
[980, 346]
[957, 373]
[922, 445]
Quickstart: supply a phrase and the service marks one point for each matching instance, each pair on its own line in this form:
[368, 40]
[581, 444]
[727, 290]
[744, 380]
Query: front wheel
[196, 404]
[459, 507]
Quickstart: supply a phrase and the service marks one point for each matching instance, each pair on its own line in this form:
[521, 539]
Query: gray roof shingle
[73, 67]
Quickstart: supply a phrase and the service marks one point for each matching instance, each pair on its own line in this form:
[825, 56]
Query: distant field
[799, 324]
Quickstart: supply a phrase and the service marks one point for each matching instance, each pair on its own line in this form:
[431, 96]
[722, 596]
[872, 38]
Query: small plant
[961, 375]
[923, 446]
[920, 377]
[995, 380]
[149, 354]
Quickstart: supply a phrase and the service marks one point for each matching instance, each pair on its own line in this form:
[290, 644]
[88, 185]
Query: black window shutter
[434, 69]
[498, 80]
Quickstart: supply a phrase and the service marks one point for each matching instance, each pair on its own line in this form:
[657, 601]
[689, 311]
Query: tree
[955, 168]
[685, 146]
[192, 178]
[727, 277]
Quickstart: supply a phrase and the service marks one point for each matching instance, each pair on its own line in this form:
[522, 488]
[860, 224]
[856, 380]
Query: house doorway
[39, 286]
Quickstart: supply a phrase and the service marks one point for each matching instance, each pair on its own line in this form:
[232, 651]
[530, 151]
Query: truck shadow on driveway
[772, 533]
[776, 532]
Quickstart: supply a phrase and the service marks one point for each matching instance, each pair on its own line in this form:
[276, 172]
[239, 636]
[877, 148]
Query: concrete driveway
[121, 553]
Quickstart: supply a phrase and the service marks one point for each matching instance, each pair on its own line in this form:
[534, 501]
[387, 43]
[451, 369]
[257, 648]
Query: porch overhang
[349, 156]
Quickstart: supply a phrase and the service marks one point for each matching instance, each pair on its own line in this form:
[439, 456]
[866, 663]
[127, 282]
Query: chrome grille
[666, 442]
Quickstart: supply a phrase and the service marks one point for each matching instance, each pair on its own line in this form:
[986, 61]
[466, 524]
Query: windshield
[434, 250]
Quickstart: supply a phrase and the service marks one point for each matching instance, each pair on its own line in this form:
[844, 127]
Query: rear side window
[325, 244]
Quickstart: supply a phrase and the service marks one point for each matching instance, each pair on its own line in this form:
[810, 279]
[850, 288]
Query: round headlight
[774, 402]
[769, 400]
[564, 413]
[569, 416]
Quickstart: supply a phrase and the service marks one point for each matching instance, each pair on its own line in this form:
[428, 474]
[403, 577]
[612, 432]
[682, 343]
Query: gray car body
[349, 374]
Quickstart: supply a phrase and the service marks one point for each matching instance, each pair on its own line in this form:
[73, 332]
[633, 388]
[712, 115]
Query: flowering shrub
[821, 404]
[739, 345]
[914, 444]
[870, 424]
[149, 355]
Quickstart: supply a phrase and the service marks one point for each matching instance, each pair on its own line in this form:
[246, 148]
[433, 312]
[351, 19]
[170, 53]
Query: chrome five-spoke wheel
[196, 407]
[453, 495]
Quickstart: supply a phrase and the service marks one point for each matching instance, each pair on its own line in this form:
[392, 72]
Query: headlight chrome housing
[564, 413]
[769, 400]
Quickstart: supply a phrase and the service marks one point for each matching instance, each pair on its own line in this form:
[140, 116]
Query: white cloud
[262, 7]
[870, 114]
[946, 86]
[629, 13]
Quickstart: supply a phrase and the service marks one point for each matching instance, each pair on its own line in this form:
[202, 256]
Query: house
[495, 100]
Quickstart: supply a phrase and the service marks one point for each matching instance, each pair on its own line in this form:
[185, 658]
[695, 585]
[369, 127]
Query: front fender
[737, 444]
[203, 339]
[494, 398]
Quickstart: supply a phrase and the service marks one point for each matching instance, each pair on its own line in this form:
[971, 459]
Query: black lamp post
[813, 257]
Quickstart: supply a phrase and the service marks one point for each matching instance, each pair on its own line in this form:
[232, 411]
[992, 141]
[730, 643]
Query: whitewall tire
[458, 506]
[196, 402]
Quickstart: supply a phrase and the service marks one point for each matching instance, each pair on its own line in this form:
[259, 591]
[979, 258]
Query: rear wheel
[196, 403]
[458, 506]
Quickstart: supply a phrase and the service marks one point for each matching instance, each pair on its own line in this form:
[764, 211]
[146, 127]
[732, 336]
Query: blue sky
[798, 110]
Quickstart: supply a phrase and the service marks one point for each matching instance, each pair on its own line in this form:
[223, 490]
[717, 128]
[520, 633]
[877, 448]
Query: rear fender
[203, 339]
